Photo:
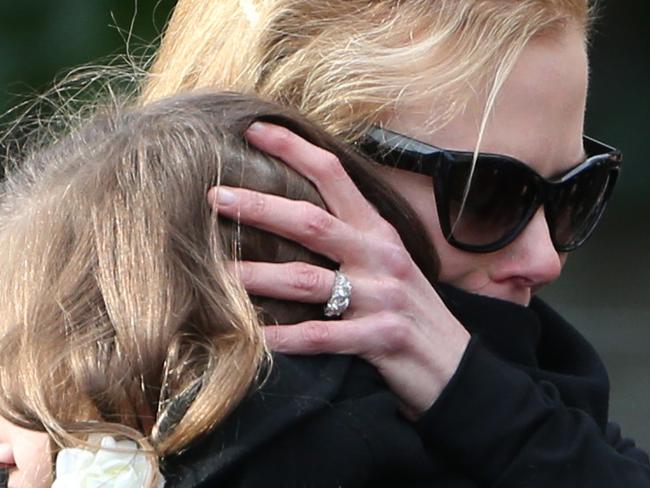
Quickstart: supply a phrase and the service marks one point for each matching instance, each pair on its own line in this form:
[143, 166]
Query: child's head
[115, 295]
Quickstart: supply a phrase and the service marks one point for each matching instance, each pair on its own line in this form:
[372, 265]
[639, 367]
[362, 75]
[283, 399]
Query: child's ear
[6, 453]
[27, 452]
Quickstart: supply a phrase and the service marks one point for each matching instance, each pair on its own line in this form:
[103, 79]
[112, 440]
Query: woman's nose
[538, 261]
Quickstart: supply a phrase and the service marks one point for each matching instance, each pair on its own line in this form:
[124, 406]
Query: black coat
[526, 408]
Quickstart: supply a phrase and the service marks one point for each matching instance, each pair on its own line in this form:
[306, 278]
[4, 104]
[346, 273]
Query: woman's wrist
[448, 356]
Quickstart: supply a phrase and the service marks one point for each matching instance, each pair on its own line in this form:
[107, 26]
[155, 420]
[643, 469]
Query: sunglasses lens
[577, 205]
[500, 198]
[484, 207]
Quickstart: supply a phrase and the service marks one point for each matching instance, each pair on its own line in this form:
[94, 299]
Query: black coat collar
[534, 339]
[539, 341]
[296, 388]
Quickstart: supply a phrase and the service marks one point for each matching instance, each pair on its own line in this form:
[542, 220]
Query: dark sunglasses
[483, 207]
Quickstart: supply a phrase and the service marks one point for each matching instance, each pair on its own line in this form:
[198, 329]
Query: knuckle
[397, 261]
[330, 167]
[317, 221]
[305, 278]
[316, 336]
[393, 295]
[283, 140]
[257, 207]
[389, 232]
[396, 333]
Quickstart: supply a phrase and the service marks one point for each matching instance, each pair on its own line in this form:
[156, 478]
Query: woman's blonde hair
[345, 64]
[118, 314]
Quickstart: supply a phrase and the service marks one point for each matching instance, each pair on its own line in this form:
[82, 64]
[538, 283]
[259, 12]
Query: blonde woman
[121, 323]
[473, 111]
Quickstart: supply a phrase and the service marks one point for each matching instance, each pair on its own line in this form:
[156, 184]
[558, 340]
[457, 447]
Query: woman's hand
[396, 321]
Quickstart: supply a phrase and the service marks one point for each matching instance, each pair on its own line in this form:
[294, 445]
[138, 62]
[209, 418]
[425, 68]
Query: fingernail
[225, 197]
[256, 127]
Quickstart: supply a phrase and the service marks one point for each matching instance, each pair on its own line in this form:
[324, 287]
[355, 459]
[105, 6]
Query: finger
[299, 221]
[373, 337]
[390, 342]
[295, 281]
[321, 167]
[315, 337]
[306, 283]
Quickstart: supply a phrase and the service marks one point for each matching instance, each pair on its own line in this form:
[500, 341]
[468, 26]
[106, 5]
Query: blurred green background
[605, 291]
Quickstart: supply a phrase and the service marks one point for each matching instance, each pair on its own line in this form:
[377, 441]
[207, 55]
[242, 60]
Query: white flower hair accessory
[115, 464]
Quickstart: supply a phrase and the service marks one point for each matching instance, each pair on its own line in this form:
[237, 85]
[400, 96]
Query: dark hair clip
[176, 409]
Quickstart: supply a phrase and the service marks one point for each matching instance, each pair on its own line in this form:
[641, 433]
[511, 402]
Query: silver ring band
[339, 299]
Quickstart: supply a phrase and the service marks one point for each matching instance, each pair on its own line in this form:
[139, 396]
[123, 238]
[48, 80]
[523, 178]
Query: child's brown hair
[116, 302]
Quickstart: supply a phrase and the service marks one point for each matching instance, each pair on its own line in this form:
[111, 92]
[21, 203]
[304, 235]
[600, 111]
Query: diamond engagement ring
[339, 300]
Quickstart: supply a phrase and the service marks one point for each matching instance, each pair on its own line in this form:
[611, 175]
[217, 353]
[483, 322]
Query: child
[120, 318]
